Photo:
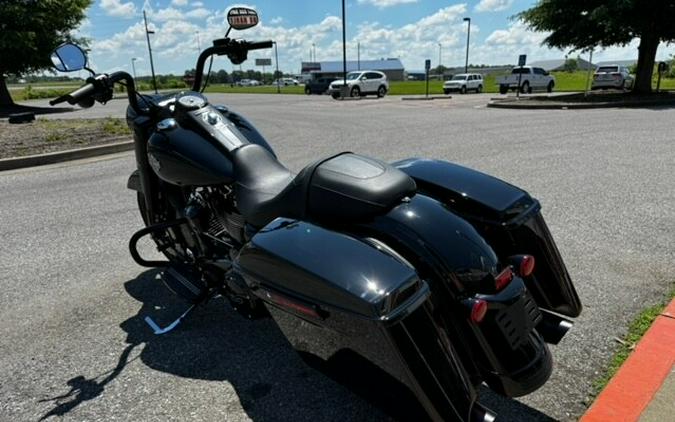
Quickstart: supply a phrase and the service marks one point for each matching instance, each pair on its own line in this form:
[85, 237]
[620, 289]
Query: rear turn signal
[526, 266]
[478, 310]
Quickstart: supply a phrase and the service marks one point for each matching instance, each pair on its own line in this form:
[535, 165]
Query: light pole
[439, 58]
[358, 56]
[133, 65]
[199, 47]
[314, 52]
[276, 62]
[468, 35]
[152, 66]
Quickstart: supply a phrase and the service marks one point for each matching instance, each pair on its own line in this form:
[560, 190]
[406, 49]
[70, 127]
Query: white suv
[464, 82]
[361, 83]
[613, 76]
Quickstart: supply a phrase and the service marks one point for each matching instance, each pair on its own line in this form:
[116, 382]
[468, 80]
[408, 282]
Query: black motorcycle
[422, 269]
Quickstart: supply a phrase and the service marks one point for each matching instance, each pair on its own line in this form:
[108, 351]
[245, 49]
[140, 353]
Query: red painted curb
[633, 387]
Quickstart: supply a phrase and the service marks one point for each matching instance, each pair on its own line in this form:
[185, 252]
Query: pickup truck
[531, 78]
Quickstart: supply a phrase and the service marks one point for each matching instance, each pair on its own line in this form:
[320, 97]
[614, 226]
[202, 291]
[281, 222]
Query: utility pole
[344, 50]
[152, 66]
[133, 65]
[468, 35]
[314, 51]
[199, 46]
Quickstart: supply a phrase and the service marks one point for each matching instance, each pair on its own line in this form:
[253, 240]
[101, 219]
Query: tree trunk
[5, 98]
[645, 65]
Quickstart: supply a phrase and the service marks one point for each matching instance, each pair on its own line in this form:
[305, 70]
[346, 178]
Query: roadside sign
[522, 59]
[663, 66]
[427, 64]
[263, 62]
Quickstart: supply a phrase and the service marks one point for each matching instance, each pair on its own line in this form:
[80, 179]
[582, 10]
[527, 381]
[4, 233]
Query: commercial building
[393, 68]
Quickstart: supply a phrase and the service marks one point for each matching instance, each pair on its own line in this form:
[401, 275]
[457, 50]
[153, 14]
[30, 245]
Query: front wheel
[381, 91]
[307, 90]
[335, 95]
[462, 90]
[446, 91]
[549, 88]
[355, 92]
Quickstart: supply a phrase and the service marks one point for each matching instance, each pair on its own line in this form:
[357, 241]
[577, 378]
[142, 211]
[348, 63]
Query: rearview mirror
[241, 18]
[69, 57]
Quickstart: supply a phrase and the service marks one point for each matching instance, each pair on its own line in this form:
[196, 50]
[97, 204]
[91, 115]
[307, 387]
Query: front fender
[134, 182]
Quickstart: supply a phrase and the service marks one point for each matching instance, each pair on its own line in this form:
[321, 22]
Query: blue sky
[408, 29]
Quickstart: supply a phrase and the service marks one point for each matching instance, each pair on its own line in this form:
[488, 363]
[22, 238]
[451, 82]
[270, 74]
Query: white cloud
[493, 5]
[385, 3]
[167, 14]
[118, 9]
[179, 3]
[197, 4]
[277, 20]
[199, 13]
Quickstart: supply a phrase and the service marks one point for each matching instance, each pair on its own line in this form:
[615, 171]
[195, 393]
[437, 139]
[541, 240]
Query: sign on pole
[263, 62]
[522, 59]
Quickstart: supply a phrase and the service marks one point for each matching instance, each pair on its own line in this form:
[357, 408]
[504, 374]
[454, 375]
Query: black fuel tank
[183, 157]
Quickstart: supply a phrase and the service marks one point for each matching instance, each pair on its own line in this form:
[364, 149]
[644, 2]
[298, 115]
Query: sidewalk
[644, 388]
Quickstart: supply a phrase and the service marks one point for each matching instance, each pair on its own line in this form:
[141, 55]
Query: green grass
[637, 328]
[113, 126]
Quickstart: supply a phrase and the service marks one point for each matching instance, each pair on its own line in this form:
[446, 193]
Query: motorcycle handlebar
[259, 45]
[76, 96]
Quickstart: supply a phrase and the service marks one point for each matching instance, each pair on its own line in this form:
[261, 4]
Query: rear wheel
[446, 91]
[335, 95]
[381, 91]
[355, 92]
[462, 90]
[479, 89]
[503, 89]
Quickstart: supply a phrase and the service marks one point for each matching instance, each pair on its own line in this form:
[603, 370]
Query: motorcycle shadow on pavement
[272, 381]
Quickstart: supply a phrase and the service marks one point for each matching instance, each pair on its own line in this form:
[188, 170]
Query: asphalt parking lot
[72, 335]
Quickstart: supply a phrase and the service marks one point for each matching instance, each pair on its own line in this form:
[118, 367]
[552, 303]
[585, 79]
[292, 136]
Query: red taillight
[478, 310]
[295, 305]
[526, 266]
[503, 278]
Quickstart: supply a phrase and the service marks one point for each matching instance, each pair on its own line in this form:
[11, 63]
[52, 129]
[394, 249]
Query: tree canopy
[588, 24]
[31, 30]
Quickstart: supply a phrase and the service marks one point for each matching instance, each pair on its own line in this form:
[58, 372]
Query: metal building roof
[387, 64]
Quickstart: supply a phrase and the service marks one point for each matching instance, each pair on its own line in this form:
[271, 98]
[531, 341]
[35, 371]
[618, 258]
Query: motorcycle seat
[340, 188]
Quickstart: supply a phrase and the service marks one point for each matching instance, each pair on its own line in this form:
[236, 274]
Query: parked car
[362, 83]
[612, 77]
[464, 82]
[531, 78]
[318, 85]
[286, 81]
[248, 82]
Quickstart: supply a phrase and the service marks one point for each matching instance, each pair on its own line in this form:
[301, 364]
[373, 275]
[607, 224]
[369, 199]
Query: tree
[571, 65]
[586, 24]
[31, 30]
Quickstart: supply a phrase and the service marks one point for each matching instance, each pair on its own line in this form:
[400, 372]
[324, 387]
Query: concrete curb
[638, 380]
[61, 156]
[423, 98]
[528, 105]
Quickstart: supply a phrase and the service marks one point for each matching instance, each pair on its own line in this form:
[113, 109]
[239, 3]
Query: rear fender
[508, 218]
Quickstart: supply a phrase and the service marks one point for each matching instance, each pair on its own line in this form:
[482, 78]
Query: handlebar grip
[81, 93]
[259, 45]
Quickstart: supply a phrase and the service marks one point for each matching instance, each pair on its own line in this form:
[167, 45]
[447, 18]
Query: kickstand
[159, 331]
